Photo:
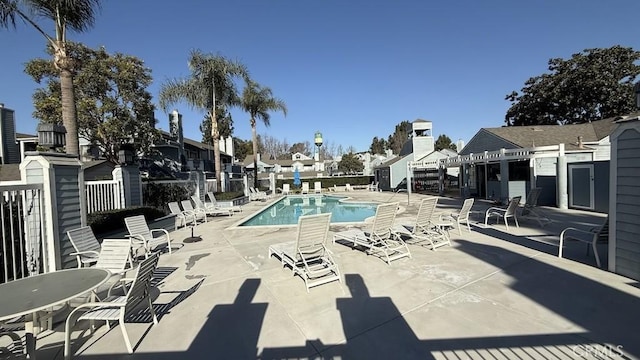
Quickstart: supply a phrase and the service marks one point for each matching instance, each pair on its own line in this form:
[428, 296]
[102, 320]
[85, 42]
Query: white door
[581, 189]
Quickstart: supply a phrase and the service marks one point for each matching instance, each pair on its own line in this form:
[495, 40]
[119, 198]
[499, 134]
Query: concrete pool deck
[491, 295]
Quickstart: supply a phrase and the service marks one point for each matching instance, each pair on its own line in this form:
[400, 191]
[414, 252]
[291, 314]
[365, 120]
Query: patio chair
[115, 255]
[117, 308]
[286, 189]
[213, 201]
[317, 187]
[590, 237]
[374, 186]
[424, 229]
[530, 210]
[200, 214]
[347, 187]
[182, 217]
[140, 234]
[210, 210]
[308, 255]
[379, 239]
[255, 194]
[461, 216]
[509, 212]
[85, 244]
[305, 188]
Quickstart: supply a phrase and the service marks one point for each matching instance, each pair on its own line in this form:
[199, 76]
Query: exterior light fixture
[51, 136]
[126, 154]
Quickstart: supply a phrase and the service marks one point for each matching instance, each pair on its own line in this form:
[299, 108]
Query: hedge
[105, 222]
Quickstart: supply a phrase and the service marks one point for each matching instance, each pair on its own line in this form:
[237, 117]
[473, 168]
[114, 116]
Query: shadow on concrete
[374, 328]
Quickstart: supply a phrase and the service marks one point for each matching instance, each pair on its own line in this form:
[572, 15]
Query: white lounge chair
[255, 194]
[374, 186]
[505, 213]
[347, 187]
[591, 237]
[317, 187]
[424, 229]
[199, 214]
[530, 208]
[210, 210]
[286, 189]
[379, 239]
[214, 202]
[461, 216]
[308, 255]
[85, 244]
[150, 239]
[182, 217]
[305, 188]
[117, 308]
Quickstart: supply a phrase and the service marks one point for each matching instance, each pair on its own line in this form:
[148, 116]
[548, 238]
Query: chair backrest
[466, 209]
[83, 239]
[186, 205]
[425, 213]
[212, 198]
[197, 201]
[513, 206]
[602, 235]
[139, 289]
[286, 188]
[137, 225]
[174, 208]
[305, 186]
[383, 220]
[114, 255]
[311, 235]
[317, 185]
[532, 198]
[347, 187]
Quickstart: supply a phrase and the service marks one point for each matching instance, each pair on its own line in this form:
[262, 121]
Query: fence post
[64, 203]
[131, 184]
[561, 179]
[272, 182]
[197, 177]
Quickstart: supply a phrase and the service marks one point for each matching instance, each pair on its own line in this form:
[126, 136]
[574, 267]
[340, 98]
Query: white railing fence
[104, 195]
[22, 249]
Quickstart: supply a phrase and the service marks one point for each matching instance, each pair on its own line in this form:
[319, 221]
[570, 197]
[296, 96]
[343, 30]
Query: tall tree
[350, 164]
[378, 145]
[209, 87]
[400, 136]
[114, 107]
[258, 102]
[74, 15]
[592, 85]
[444, 142]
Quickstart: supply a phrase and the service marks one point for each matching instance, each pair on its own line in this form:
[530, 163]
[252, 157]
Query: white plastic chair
[117, 308]
[85, 244]
[317, 187]
[149, 239]
[505, 213]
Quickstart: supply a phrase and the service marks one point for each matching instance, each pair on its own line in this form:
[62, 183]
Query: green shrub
[159, 195]
[230, 195]
[104, 222]
[328, 181]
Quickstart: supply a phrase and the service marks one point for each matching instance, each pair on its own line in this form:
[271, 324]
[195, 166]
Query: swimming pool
[287, 210]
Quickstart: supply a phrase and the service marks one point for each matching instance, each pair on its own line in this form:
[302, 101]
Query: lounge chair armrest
[563, 233]
[160, 230]
[493, 208]
[80, 253]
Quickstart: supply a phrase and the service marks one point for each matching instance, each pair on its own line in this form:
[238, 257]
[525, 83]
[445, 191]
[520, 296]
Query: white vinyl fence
[104, 195]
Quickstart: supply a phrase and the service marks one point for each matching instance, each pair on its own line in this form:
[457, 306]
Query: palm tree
[258, 101]
[76, 15]
[209, 87]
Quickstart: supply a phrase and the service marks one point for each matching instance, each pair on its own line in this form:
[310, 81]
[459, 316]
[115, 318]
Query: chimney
[580, 144]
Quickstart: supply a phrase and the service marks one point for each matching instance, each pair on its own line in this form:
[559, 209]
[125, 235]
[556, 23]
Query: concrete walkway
[492, 295]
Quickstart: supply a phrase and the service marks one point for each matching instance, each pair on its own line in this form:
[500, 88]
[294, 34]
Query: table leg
[30, 338]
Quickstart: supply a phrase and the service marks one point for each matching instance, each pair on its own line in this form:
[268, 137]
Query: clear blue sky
[352, 69]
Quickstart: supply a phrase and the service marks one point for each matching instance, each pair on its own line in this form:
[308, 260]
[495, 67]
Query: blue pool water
[287, 210]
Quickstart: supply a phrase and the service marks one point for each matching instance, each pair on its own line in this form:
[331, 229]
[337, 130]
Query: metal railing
[22, 249]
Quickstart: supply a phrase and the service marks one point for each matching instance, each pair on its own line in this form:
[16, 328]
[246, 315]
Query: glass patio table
[31, 295]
